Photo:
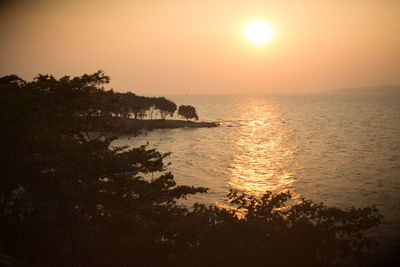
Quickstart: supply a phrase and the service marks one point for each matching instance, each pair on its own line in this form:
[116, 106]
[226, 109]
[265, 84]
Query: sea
[342, 150]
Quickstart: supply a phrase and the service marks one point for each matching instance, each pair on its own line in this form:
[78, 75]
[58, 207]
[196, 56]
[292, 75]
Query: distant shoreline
[374, 90]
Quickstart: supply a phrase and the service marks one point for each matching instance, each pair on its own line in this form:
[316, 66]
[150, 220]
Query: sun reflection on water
[263, 157]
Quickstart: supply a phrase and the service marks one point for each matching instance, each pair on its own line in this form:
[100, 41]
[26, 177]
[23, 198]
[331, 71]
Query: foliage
[188, 112]
[67, 199]
[87, 94]
[266, 232]
[141, 106]
[62, 191]
[165, 106]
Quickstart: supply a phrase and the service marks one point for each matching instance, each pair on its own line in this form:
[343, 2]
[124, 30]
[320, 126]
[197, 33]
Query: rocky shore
[126, 125]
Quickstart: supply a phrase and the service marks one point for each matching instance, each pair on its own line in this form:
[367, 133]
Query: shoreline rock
[126, 125]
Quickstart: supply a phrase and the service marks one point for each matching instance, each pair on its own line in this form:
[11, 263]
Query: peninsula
[128, 126]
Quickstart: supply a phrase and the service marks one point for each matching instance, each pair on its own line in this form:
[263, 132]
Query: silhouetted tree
[65, 197]
[165, 106]
[188, 112]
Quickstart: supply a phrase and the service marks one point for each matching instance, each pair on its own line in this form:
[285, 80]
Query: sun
[259, 32]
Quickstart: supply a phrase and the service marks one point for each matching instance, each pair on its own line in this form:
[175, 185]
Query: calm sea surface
[341, 150]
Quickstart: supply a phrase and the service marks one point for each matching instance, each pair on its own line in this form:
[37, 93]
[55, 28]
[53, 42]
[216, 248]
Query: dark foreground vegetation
[68, 200]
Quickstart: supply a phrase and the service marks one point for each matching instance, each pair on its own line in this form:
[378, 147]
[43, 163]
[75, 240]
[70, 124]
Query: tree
[188, 112]
[165, 106]
[65, 197]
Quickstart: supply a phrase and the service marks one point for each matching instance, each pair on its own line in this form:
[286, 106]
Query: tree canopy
[67, 199]
[188, 112]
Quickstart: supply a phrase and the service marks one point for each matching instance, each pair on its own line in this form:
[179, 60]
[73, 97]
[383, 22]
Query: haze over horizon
[192, 47]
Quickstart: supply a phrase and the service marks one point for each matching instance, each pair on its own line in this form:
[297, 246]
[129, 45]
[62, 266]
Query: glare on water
[260, 158]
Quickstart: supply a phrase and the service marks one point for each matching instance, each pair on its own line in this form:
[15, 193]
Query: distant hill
[376, 90]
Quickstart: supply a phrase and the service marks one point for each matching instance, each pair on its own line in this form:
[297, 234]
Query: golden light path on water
[262, 151]
[252, 151]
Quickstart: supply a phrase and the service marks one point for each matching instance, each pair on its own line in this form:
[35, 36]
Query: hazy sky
[172, 46]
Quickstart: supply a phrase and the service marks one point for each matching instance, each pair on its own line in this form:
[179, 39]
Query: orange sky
[192, 47]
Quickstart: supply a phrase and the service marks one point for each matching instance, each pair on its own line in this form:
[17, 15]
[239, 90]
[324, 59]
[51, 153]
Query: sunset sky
[193, 47]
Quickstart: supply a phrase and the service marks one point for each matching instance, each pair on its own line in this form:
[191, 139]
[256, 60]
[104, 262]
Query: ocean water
[340, 150]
